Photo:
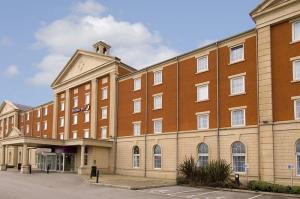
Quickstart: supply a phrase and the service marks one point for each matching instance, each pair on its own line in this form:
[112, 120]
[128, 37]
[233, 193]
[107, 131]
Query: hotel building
[237, 99]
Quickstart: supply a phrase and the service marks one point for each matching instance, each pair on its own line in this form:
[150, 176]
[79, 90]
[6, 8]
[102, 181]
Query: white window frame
[136, 157]
[75, 102]
[86, 117]
[38, 113]
[45, 125]
[297, 155]
[199, 70]
[74, 135]
[27, 116]
[157, 97]
[199, 115]
[156, 81]
[61, 122]
[38, 126]
[294, 70]
[104, 90]
[235, 77]
[295, 108]
[238, 155]
[104, 111]
[232, 110]
[87, 99]
[201, 85]
[86, 133]
[155, 123]
[137, 83]
[230, 53]
[75, 119]
[45, 111]
[134, 125]
[157, 155]
[293, 31]
[102, 132]
[62, 106]
[137, 105]
[201, 154]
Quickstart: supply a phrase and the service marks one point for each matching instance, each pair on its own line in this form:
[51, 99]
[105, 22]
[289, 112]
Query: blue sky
[37, 37]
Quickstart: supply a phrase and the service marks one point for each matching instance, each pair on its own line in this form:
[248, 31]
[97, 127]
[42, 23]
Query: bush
[295, 190]
[188, 168]
[270, 187]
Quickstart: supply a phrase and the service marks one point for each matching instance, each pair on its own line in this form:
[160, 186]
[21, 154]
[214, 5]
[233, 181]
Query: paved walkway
[130, 182]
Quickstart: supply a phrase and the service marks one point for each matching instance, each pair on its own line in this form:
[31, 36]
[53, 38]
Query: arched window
[298, 156]
[238, 157]
[202, 155]
[157, 157]
[136, 157]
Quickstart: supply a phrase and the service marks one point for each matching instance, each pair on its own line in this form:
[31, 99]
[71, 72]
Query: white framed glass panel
[137, 84]
[298, 157]
[238, 117]
[86, 116]
[39, 113]
[297, 109]
[157, 76]
[202, 92]
[75, 119]
[87, 99]
[203, 121]
[238, 157]
[62, 121]
[202, 155]
[237, 53]
[296, 31]
[157, 157]
[38, 126]
[45, 111]
[237, 85]
[104, 112]
[75, 102]
[137, 106]
[157, 126]
[136, 128]
[104, 93]
[157, 102]
[27, 128]
[296, 70]
[104, 132]
[61, 136]
[45, 125]
[202, 64]
[62, 106]
[136, 157]
[86, 133]
[27, 116]
[75, 135]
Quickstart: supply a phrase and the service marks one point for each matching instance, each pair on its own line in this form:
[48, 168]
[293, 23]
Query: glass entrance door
[56, 162]
[69, 162]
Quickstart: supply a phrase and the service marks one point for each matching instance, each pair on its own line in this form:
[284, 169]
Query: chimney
[102, 48]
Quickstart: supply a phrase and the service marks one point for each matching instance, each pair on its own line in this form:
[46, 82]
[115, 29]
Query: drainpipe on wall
[177, 115]
[218, 108]
[257, 109]
[146, 122]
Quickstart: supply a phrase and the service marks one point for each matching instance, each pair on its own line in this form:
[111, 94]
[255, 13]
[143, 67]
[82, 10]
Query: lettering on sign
[85, 108]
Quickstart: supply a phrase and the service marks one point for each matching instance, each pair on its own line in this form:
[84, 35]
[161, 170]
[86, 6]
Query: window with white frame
[38, 113]
[238, 117]
[202, 155]
[202, 121]
[87, 87]
[202, 64]
[75, 119]
[296, 31]
[75, 102]
[104, 80]
[62, 106]
[45, 111]
[137, 84]
[38, 126]
[87, 99]
[136, 157]
[238, 157]
[87, 116]
[104, 93]
[157, 126]
[157, 77]
[61, 121]
[45, 125]
[27, 128]
[297, 109]
[104, 113]
[237, 53]
[237, 85]
[202, 92]
[157, 157]
[103, 132]
[27, 116]
[75, 135]
[137, 106]
[296, 70]
[61, 136]
[136, 128]
[298, 156]
[157, 101]
[86, 133]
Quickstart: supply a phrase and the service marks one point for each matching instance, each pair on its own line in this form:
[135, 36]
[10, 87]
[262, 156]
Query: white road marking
[255, 196]
[170, 194]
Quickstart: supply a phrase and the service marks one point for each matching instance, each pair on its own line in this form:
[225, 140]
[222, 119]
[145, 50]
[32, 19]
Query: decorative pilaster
[67, 115]
[82, 168]
[112, 105]
[25, 164]
[2, 164]
[94, 103]
[55, 110]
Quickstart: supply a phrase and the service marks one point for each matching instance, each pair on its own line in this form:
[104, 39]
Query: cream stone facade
[91, 121]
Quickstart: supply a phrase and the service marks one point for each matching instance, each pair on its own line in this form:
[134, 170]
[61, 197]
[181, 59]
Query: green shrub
[295, 190]
[188, 168]
[270, 187]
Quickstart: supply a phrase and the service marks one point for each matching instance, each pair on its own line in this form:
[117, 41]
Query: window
[203, 121]
[297, 109]
[296, 70]
[75, 119]
[45, 111]
[136, 157]
[237, 85]
[61, 136]
[104, 93]
[157, 126]
[75, 102]
[27, 128]
[104, 112]
[237, 53]
[136, 128]
[157, 101]
[38, 113]
[238, 117]
[75, 91]
[103, 132]
[202, 64]
[74, 134]
[27, 116]
[87, 99]
[137, 84]
[62, 106]
[38, 126]
[157, 75]
[202, 155]
[86, 133]
[296, 31]
[238, 157]
[157, 157]
[86, 116]
[61, 121]
[298, 157]
[202, 92]
[45, 125]
[87, 87]
[104, 80]
[137, 106]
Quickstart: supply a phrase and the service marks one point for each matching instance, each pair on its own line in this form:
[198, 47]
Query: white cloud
[89, 7]
[12, 71]
[6, 41]
[134, 43]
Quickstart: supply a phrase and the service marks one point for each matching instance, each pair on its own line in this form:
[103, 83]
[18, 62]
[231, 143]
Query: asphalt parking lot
[14, 185]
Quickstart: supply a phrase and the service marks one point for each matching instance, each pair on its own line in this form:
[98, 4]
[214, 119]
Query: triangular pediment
[269, 5]
[14, 132]
[7, 107]
[80, 63]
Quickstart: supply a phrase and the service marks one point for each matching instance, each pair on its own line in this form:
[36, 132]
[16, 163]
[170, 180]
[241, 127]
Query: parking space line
[255, 196]
[170, 194]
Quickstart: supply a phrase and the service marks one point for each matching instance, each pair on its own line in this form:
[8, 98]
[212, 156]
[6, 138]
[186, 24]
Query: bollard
[97, 180]
[237, 179]
[29, 169]
[48, 168]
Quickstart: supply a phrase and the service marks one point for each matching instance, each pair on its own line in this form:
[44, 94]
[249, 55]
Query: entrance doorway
[61, 162]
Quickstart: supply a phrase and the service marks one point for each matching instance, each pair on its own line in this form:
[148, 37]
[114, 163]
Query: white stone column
[82, 168]
[25, 163]
[55, 110]
[3, 165]
[16, 119]
[112, 106]
[94, 108]
[67, 115]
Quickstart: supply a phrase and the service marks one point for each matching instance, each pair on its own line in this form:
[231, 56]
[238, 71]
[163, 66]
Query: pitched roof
[22, 107]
